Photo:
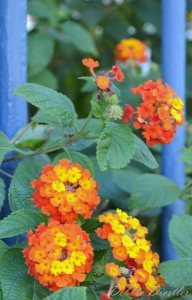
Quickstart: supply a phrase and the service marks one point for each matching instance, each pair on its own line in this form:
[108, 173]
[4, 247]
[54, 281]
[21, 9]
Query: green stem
[76, 128]
[87, 120]
[5, 173]
[22, 132]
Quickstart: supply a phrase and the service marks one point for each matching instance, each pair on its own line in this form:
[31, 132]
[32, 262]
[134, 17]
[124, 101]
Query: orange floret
[103, 82]
[90, 63]
[113, 270]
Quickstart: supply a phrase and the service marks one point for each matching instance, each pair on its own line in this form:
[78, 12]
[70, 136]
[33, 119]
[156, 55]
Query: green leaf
[152, 190]
[96, 129]
[120, 297]
[125, 178]
[2, 192]
[97, 243]
[99, 107]
[92, 294]
[20, 190]
[39, 132]
[180, 233]
[76, 157]
[187, 155]
[177, 273]
[79, 37]
[91, 225]
[87, 78]
[42, 117]
[70, 293]
[40, 52]
[143, 154]
[115, 147]
[5, 146]
[20, 222]
[48, 100]
[45, 78]
[3, 249]
[16, 283]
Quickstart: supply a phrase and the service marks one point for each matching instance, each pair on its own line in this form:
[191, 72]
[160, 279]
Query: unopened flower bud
[98, 269]
[112, 99]
[115, 112]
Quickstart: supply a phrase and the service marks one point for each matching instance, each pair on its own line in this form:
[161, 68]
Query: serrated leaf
[2, 192]
[125, 178]
[115, 147]
[177, 273]
[99, 107]
[143, 154]
[20, 222]
[91, 225]
[50, 101]
[69, 293]
[76, 157]
[20, 190]
[87, 78]
[96, 129]
[180, 233]
[79, 37]
[152, 190]
[3, 249]
[16, 283]
[97, 243]
[5, 146]
[40, 52]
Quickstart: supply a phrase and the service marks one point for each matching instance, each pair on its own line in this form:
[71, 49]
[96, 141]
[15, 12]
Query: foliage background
[68, 31]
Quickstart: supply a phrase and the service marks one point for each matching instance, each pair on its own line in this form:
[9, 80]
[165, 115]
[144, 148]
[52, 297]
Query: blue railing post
[173, 56]
[13, 36]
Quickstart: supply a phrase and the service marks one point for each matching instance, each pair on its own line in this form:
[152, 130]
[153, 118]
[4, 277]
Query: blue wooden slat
[173, 55]
[13, 110]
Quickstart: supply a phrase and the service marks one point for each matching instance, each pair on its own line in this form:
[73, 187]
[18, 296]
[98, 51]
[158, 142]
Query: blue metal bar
[173, 56]
[13, 111]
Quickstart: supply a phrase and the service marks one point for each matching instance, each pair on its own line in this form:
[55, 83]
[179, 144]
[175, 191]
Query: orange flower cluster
[138, 272]
[131, 49]
[103, 80]
[159, 113]
[65, 190]
[59, 255]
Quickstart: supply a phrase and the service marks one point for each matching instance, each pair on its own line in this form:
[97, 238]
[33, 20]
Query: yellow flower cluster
[138, 271]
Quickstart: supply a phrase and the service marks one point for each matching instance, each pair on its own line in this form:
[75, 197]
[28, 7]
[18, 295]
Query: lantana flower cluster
[65, 190]
[59, 255]
[160, 112]
[135, 266]
[103, 80]
[104, 86]
[131, 49]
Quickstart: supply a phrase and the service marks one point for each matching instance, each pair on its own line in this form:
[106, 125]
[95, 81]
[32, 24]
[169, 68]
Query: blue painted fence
[13, 65]
[13, 111]
[173, 56]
